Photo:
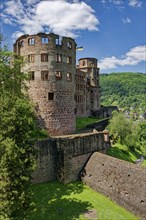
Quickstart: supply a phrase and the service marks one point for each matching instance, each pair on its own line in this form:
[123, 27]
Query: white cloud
[135, 3]
[133, 57]
[63, 17]
[126, 20]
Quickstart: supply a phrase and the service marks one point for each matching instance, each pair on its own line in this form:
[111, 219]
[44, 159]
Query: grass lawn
[83, 122]
[119, 151]
[55, 201]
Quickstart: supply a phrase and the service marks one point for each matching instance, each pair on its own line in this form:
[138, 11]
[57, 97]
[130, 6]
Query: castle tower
[50, 60]
[89, 67]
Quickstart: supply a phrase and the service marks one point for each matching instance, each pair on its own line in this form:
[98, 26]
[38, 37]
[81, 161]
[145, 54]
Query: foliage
[67, 202]
[125, 131]
[122, 152]
[126, 90]
[17, 121]
[83, 122]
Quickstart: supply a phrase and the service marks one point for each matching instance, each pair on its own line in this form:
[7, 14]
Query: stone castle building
[59, 89]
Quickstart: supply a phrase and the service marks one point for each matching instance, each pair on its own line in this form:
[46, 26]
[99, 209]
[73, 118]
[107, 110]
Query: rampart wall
[64, 157]
[122, 181]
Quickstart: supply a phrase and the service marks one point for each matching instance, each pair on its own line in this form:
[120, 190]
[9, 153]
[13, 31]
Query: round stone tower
[50, 61]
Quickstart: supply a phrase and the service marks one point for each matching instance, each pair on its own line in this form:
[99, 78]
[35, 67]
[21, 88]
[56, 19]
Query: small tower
[50, 60]
[88, 67]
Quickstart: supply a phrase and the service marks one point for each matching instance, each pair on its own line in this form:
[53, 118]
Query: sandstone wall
[64, 157]
[123, 182]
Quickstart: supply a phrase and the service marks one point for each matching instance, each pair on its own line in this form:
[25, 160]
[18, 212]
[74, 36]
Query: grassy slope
[120, 152]
[56, 201]
[83, 122]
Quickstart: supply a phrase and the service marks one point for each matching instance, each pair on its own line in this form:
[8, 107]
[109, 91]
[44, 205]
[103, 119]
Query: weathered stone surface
[123, 182]
[64, 157]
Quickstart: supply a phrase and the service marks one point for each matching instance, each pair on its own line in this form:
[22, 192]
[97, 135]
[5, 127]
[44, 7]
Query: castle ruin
[60, 89]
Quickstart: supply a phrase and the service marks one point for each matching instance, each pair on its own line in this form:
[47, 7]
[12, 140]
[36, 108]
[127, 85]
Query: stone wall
[64, 157]
[123, 182]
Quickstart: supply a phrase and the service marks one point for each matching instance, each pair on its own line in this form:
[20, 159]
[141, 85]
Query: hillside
[126, 90]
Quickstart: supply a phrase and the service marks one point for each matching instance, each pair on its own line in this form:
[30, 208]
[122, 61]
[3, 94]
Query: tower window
[83, 63]
[45, 40]
[58, 75]
[31, 75]
[31, 58]
[69, 60]
[20, 43]
[69, 77]
[58, 58]
[31, 41]
[58, 41]
[69, 44]
[45, 75]
[44, 57]
[50, 95]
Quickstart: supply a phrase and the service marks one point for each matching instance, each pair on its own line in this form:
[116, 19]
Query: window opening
[58, 75]
[44, 57]
[31, 58]
[31, 41]
[69, 44]
[69, 77]
[58, 41]
[58, 58]
[44, 40]
[69, 60]
[50, 95]
[31, 75]
[45, 75]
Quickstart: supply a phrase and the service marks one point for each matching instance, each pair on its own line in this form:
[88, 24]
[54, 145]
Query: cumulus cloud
[63, 17]
[135, 3]
[126, 20]
[133, 57]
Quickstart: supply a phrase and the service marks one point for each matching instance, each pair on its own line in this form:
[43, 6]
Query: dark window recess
[69, 44]
[31, 41]
[44, 57]
[31, 75]
[50, 95]
[69, 77]
[44, 75]
[31, 58]
[44, 40]
[21, 43]
[83, 63]
[58, 58]
[58, 41]
[58, 75]
[69, 60]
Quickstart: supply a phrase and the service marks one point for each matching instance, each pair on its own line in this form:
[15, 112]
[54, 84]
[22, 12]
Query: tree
[125, 131]
[17, 123]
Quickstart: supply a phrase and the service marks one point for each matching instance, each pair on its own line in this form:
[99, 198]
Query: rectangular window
[31, 41]
[58, 41]
[31, 58]
[58, 75]
[44, 57]
[50, 95]
[20, 43]
[69, 77]
[69, 60]
[58, 58]
[44, 75]
[31, 75]
[69, 44]
[45, 40]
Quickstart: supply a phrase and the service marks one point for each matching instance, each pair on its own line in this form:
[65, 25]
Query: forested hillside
[126, 90]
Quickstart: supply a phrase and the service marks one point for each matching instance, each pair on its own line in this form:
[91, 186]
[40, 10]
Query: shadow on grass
[55, 201]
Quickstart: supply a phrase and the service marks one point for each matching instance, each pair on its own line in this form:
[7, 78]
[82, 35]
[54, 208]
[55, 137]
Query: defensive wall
[121, 181]
[64, 157]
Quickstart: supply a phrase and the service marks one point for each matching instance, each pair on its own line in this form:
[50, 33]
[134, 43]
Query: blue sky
[113, 31]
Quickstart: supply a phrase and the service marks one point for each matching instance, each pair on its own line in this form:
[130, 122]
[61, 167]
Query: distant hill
[126, 90]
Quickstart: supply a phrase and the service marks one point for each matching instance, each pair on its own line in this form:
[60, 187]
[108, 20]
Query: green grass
[121, 152]
[55, 201]
[83, 122]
